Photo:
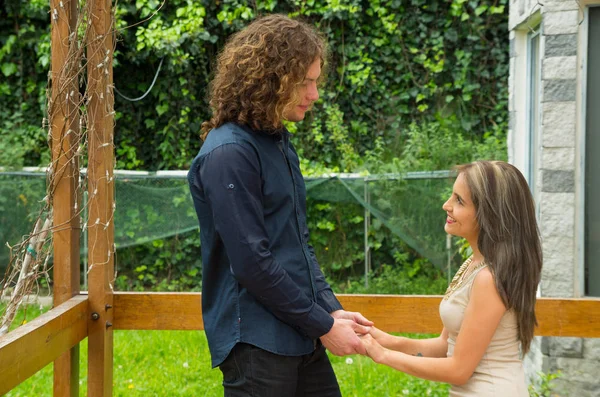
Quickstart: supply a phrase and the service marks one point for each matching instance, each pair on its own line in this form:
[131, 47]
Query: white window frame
[580, 236]
[533, 107]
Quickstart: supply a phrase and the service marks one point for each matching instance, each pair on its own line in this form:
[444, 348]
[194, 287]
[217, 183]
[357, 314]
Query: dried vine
[74, 89]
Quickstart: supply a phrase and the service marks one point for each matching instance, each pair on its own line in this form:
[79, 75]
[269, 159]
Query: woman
[488, 310]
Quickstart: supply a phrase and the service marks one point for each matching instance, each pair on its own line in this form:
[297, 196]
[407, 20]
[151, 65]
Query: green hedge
[392, 63]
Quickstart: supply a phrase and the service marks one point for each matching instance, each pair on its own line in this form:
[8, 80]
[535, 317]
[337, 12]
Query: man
[268, 312]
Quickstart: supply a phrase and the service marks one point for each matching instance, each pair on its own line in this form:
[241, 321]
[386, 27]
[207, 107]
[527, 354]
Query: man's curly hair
[258, 71]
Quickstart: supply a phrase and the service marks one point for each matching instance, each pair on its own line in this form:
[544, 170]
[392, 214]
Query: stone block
[544, 345]
[558, 260]
[557, 271]
[554, 112]
[533, 360]
[560, 45]
[562, 225]
[561, 22]
[563, 387]
[576, 370]
[591, 349]
[591, 389]
[559, 90]
[559, 250]
[558, 181]
[538, 182]
[560, 68]
[546, 364]
[556, 203]
[531, 369]
[557, 288]
[557, 274]
[558, 124]
[560, 5]
[566, 347]
[558, 158]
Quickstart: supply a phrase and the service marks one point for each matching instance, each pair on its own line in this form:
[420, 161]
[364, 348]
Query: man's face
[307, 94]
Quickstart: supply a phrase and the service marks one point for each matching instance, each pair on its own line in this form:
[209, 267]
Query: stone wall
[557, 166]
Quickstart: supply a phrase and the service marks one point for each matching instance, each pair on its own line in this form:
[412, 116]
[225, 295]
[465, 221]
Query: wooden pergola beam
[64, 181]
[101, 202]
[34, 345]
[392, 313]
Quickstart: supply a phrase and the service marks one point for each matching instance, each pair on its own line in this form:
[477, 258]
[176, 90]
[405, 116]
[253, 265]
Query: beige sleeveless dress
[500, 372]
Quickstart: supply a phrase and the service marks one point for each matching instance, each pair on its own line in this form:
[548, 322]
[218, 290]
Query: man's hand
[354, 316]
[342, 338]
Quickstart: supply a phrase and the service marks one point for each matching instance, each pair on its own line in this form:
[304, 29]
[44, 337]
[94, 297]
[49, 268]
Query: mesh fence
[153, 206]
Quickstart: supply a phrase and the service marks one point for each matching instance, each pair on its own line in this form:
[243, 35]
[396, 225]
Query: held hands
[373, 349]
[354, 316]
[380, 336]
[343, 338]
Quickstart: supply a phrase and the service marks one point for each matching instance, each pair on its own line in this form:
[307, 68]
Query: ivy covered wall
[392, 63]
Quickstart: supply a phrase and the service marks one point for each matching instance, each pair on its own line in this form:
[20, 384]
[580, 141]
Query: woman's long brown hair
[508, 237]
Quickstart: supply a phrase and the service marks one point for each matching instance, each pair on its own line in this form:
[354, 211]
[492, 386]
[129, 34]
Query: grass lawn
[177, 363]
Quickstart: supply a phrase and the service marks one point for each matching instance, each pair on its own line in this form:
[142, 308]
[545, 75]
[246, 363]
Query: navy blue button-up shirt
[261, 282]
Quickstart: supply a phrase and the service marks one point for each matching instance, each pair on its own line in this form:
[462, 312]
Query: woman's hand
[374, 350]
[380, 336]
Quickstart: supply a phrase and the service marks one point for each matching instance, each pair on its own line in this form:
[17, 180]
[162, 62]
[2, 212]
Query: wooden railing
[36, 344]
[32, 346]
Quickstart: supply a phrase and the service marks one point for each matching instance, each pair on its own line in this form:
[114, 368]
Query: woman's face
[460, 211]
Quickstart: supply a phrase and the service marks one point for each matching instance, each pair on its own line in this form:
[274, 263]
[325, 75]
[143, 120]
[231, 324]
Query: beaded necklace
[461, 275]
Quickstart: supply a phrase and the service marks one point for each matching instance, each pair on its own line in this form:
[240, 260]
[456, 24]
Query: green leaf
[9, 68]
[497, 10]
[162, 109]
[480, 10]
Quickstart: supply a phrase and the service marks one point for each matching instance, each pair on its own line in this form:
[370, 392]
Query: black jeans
[249, 371]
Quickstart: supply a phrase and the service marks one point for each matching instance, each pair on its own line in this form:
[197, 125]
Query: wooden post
[64, 179]
[101, 251]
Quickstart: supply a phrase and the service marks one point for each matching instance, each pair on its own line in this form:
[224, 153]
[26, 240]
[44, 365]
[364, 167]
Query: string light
[64, 115]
